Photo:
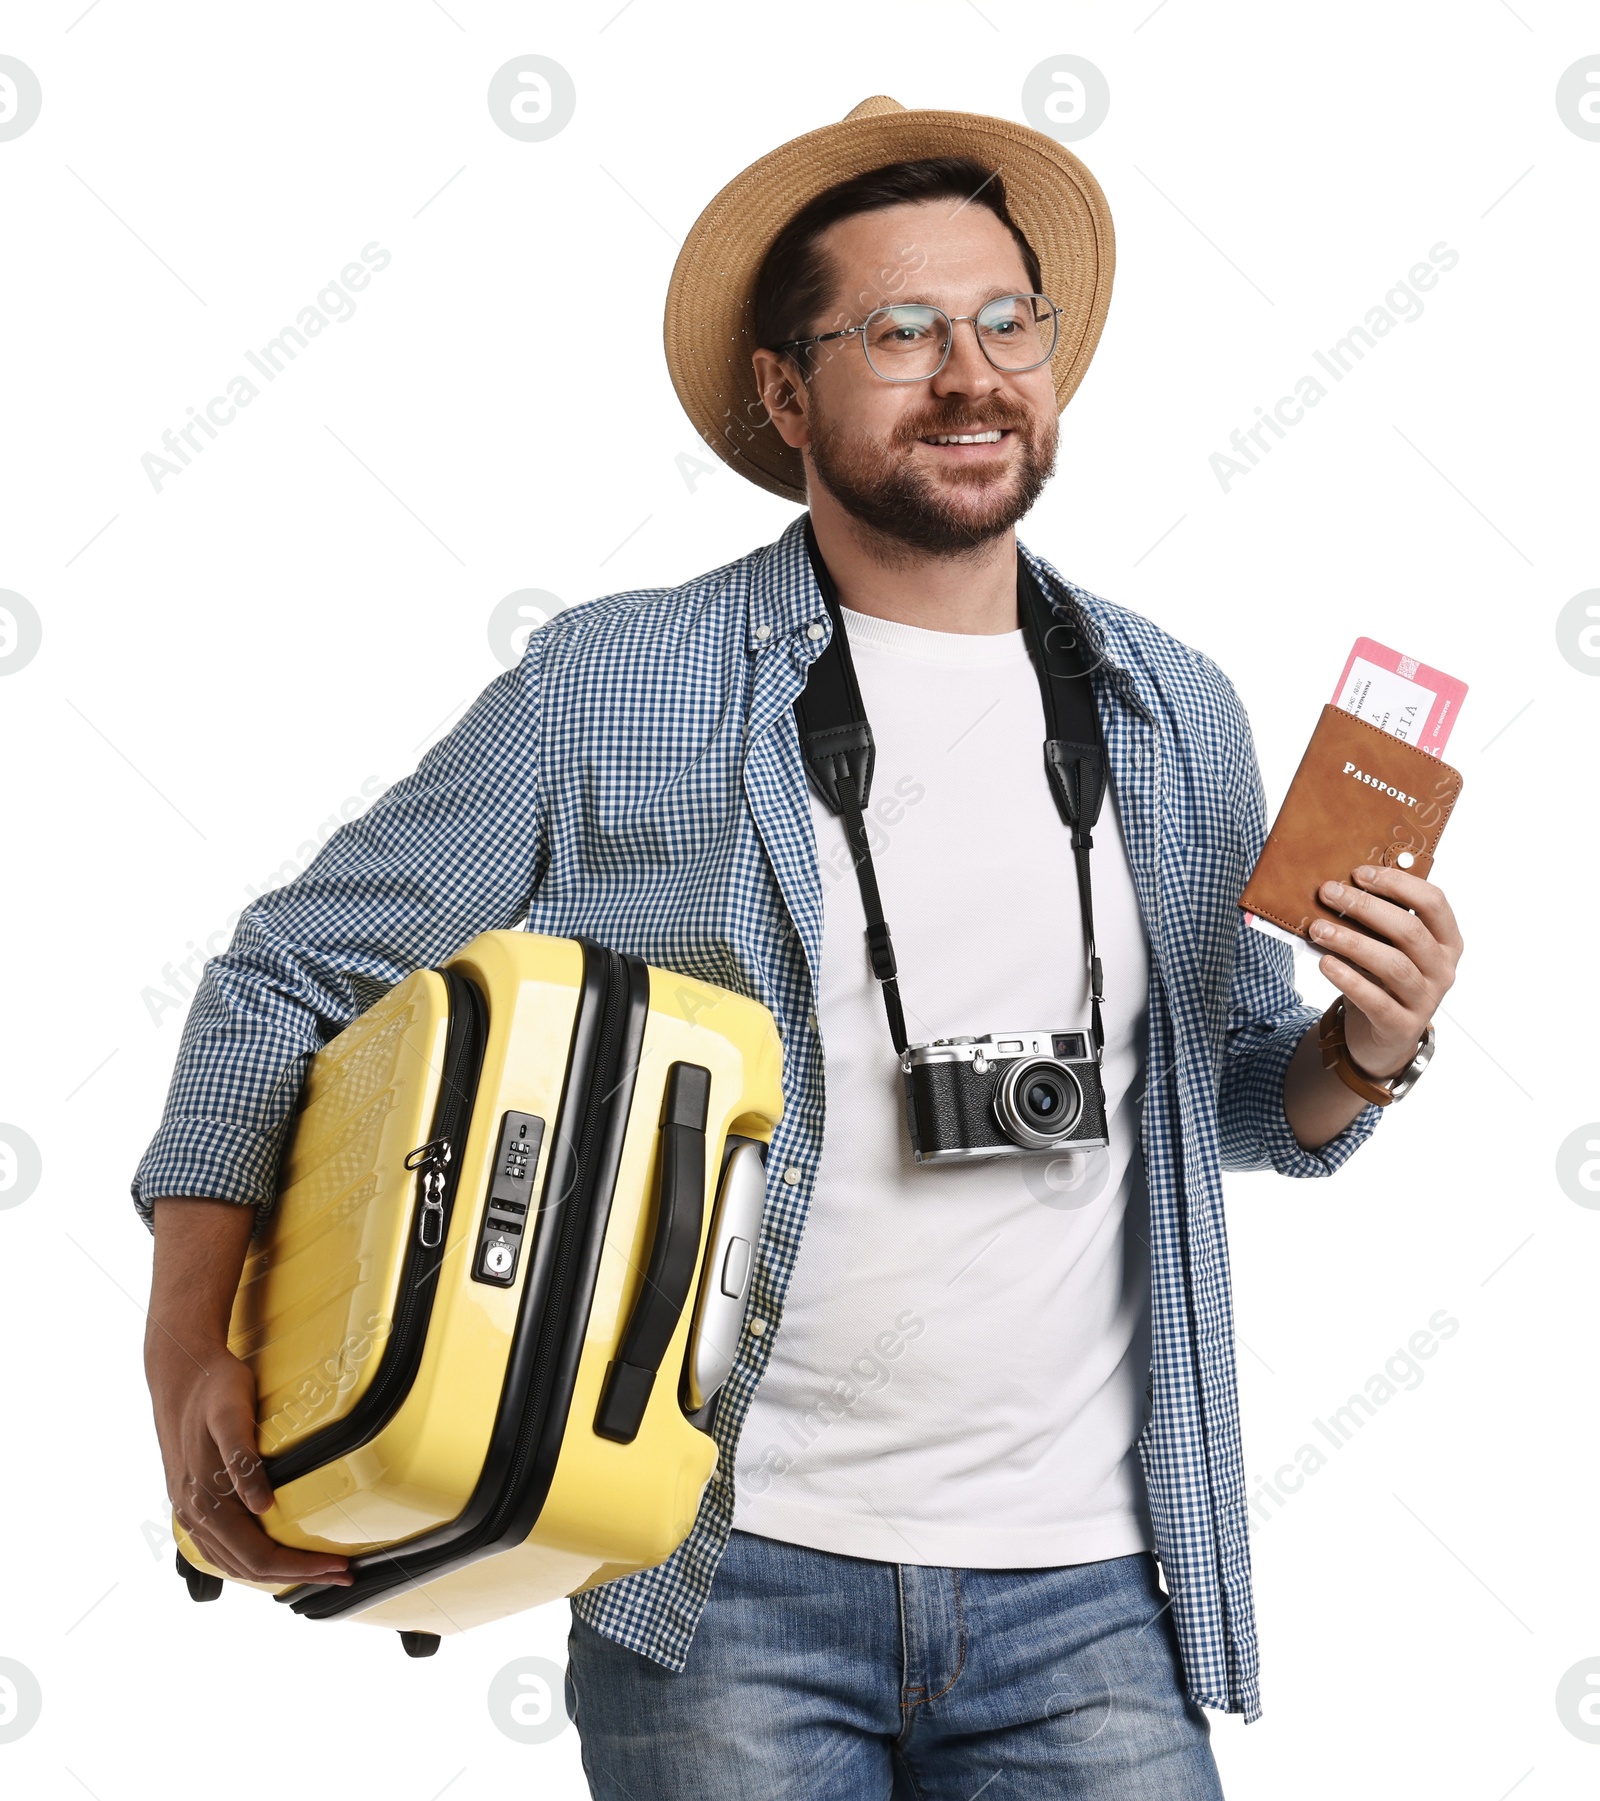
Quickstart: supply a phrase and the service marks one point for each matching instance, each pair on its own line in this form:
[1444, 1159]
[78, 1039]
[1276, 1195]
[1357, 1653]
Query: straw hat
[1051, 195]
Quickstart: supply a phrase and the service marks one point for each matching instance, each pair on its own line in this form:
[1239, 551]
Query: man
[972, 1404]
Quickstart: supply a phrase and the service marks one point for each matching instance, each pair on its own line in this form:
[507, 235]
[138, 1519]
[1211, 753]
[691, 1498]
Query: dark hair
[796, 280]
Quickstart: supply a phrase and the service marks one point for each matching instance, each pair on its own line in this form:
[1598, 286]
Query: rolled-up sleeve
[1266, 1016]
[456, 848]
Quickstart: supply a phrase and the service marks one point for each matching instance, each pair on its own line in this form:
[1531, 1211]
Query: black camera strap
[836, 741]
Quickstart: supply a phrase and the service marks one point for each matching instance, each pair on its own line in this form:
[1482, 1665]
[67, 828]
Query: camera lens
[1042, 1100]
[1038, 1103]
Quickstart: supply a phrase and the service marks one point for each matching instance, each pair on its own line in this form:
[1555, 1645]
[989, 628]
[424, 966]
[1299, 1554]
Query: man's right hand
[204, 1398]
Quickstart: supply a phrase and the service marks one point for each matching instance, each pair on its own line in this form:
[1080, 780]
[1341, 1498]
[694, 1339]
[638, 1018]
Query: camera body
[1010, 1094]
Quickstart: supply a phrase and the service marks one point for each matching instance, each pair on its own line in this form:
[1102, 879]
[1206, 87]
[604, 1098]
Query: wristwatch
[1336, 1056]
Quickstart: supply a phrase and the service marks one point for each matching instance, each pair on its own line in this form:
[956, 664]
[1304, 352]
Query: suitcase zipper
[432, 1159]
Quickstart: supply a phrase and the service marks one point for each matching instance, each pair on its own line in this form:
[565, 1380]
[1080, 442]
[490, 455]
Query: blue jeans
[816, 1677]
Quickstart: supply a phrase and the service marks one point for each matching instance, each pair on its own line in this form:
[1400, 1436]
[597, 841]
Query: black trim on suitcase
[558, 1286]
[465, 1037]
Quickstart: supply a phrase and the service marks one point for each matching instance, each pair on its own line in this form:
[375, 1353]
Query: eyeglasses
[912, 342]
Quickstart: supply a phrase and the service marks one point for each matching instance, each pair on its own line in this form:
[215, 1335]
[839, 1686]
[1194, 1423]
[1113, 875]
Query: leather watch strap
[1336, 1056]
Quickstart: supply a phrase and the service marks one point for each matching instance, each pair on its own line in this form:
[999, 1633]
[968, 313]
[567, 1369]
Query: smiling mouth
[992, 436]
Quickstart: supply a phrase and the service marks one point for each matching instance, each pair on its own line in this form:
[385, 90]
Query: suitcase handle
[674, 1253]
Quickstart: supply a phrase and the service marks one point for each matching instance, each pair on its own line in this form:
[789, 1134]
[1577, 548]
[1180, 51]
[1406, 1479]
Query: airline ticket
[1401, 696]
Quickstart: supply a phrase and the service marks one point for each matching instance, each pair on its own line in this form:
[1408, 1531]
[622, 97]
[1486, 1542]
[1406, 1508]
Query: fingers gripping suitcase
[503, 1282]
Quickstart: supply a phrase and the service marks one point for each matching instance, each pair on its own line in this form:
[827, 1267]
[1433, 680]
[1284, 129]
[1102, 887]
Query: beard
[887, 491]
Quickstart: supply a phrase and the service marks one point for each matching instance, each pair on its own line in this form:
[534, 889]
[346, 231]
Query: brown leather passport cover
[1359, 796]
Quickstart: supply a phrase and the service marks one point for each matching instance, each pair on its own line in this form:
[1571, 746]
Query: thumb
[233, 1431]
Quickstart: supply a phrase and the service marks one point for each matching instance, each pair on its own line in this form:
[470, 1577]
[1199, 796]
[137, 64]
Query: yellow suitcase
[502, 1284]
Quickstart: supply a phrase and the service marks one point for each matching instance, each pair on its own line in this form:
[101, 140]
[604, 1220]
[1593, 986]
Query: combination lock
[508, 1213]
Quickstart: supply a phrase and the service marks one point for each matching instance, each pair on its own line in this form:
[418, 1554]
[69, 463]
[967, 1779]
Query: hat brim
[1054, 199]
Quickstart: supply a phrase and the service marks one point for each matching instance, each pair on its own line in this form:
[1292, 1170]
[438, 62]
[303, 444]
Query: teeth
[976, 437]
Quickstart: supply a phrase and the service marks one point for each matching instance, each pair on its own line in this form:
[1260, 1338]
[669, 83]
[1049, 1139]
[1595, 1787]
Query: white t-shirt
[960, 1372]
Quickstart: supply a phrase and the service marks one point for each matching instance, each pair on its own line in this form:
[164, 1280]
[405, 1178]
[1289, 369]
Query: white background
[301, 611]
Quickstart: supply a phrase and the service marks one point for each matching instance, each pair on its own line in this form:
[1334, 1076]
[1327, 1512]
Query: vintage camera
[1011, 1094]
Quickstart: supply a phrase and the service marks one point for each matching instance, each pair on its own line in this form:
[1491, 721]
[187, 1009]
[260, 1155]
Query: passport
[1362, 794]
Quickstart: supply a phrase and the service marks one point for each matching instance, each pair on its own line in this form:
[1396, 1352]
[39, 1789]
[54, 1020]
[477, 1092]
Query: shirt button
[791, 1175]
[811, 1020]
[763, 632]
[758, 1326]
[813, 631]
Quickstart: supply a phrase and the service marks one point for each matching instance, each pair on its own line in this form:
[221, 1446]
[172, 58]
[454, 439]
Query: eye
[899, 327]
[1007, 318]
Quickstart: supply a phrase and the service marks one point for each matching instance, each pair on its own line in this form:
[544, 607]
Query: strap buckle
[880, 951]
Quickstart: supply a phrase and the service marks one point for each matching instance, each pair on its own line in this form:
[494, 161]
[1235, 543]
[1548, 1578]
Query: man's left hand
[1393, 983]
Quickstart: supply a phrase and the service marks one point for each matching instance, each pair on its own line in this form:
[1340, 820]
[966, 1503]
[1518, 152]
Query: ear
[784, 395]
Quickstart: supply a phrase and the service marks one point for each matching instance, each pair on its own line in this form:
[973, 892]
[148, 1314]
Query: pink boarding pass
[1401, 696]
[1398, 695]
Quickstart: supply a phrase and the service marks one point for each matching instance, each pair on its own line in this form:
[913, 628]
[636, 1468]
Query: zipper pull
[432, 1159]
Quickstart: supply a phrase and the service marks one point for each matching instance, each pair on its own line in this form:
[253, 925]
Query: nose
[967, 370]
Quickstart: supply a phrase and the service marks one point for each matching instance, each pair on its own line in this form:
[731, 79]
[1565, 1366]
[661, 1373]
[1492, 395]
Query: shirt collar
[1109, 647]
[786, 601]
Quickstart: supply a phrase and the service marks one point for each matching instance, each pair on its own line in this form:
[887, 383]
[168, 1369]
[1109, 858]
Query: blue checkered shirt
[637, 777]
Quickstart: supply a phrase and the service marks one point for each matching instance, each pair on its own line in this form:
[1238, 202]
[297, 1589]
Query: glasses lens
[906, 343]
[1017, 331]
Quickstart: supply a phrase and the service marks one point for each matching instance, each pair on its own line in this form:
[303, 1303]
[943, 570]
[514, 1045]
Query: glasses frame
[952, 320]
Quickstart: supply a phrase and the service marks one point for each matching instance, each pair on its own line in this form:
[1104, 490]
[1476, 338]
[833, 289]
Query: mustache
[959, 417]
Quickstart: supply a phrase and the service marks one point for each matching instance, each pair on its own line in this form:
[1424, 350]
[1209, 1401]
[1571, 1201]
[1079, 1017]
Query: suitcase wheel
[420, 1644]
[201, 1586]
